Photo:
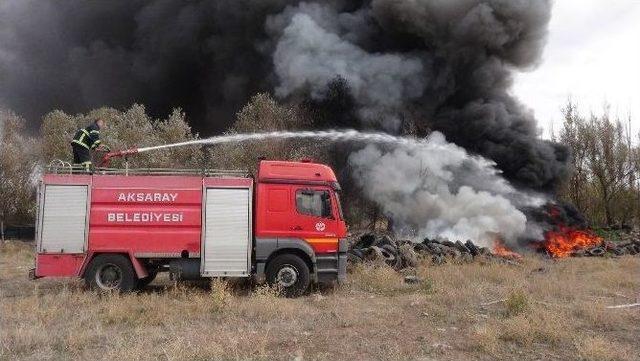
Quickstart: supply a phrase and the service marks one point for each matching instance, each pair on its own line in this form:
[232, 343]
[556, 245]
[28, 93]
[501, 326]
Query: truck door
[313, 218]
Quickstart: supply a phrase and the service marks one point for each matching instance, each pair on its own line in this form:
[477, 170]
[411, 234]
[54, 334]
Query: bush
[516, 303]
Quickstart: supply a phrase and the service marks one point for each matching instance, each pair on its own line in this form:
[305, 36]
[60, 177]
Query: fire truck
[118, 228]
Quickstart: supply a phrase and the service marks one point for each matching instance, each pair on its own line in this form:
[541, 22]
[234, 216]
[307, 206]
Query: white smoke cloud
[308, 56]
[438, 189]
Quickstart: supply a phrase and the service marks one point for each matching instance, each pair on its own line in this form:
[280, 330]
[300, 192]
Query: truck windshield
[313, 202]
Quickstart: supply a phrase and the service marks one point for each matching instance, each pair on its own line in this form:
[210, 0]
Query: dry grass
[545, 310]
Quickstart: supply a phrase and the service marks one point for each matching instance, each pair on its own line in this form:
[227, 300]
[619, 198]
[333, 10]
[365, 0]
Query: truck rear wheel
[111, 272]
[289, 273]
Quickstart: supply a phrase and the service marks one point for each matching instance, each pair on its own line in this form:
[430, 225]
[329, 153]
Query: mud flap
[140, 269]
[342, 267]
[343, 256]
[260, 276]
[32, 274]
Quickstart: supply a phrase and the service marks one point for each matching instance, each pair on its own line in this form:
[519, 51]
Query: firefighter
[85, 140]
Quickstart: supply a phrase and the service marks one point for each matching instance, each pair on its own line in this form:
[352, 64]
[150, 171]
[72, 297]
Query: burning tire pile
[607, 248]
[401, 254]
[573, 242]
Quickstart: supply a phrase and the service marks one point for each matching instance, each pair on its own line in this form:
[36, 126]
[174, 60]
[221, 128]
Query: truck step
[326, 258]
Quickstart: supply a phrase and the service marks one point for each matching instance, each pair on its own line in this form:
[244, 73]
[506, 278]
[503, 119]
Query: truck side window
[313, 203]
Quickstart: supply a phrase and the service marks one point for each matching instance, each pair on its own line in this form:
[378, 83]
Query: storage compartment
[226, 242]
[63, 219]
[58, 265]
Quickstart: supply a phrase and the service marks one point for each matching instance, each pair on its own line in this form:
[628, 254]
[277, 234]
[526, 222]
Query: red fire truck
[118, 228]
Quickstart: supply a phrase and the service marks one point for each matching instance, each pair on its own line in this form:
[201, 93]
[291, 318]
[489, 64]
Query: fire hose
[106, 159]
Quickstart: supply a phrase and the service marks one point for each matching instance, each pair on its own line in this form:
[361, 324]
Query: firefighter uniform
[85, 140]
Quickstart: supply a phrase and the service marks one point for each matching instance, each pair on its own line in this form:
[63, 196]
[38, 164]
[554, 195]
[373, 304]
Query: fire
[566, 240]
[499, 249]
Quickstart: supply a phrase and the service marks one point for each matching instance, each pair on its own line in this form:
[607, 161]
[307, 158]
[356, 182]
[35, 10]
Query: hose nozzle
[120, 153]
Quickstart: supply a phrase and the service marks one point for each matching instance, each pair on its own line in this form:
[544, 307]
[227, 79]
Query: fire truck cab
[118, 228]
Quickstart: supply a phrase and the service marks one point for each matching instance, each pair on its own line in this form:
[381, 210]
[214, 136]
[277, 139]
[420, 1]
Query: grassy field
[541, 310]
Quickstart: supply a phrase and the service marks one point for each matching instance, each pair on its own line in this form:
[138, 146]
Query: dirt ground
[540, 310]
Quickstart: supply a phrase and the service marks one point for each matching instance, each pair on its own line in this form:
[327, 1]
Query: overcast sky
[593, 55]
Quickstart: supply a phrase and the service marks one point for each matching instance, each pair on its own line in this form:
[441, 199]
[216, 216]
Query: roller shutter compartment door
[227, 233]
[64, 219]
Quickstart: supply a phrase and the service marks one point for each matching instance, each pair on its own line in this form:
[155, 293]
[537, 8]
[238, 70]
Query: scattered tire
[392, 256]
[448, 243]
[373, 253]
[597, 251]
[579, 253]
[290, 274]
[357, 252]
[355, 256]
[110, 272]
[383, 241]
[472, 248]
[420, 247]
[436, 248]
[408, 256]
[365, 241]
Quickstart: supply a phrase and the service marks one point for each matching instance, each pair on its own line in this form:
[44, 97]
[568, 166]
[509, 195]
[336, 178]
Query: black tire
[144, 282]
[111, 272]
[290, 274]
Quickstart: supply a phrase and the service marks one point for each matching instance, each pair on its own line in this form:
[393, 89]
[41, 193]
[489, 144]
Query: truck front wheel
[110, 272]
[289, 273]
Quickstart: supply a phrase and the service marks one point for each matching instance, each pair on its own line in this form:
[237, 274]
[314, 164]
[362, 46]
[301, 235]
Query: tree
[18, 170]
[264, 114]
[604, 166]
[23, 158]
[132, 128]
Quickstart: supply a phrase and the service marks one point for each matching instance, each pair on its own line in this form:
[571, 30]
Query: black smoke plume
[443, 65]
[204, 56]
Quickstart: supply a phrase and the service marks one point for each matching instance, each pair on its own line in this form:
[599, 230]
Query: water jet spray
[347, 135]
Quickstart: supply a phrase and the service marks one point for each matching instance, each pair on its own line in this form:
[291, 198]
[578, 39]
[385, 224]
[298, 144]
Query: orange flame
[566, 240]
[499, 249]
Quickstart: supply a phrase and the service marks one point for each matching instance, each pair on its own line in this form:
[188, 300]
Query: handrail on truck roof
[61, 167]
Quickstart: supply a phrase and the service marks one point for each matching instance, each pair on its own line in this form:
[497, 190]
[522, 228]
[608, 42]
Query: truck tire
[111, 272]
[144, 282]
[289, 273]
